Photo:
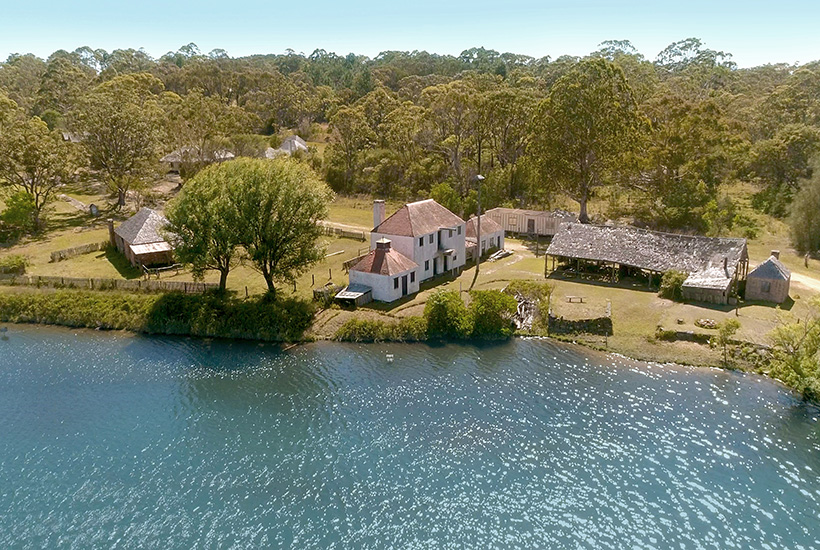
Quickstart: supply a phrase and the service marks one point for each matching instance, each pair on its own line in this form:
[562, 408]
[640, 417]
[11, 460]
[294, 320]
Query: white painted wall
[428, 252]
[384, 286]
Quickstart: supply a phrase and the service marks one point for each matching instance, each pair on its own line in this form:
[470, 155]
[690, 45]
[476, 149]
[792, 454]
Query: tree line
[662, 141]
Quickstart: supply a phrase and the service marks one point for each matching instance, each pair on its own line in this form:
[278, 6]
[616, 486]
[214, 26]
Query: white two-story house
[425, 232]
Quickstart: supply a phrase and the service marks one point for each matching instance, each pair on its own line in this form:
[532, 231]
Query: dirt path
[344, 226]
[809, 282]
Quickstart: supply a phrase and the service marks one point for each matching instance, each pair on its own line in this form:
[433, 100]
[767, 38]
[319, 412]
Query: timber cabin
[536, 223]
[715, 266]
[140, 241]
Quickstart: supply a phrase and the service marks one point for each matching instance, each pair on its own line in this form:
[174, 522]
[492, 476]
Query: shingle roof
[645, 249]
[771, 269]
[142, 228]
[488, 225]
[418, 218]
[385, 261]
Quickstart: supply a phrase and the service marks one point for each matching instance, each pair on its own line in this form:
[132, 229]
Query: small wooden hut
[769, 282]
[530, 222]
[139, 239]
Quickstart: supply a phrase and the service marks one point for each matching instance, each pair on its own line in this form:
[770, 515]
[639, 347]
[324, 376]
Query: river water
[120, 441]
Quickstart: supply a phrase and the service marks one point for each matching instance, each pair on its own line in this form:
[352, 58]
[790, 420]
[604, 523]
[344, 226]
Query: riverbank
[283, 320]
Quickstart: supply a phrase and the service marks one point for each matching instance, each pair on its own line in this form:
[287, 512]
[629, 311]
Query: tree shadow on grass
[120, 263]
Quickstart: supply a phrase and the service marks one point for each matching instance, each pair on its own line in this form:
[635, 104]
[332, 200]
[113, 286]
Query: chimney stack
[383, 244]
[111, 232]
[378, 213]
[776, 254]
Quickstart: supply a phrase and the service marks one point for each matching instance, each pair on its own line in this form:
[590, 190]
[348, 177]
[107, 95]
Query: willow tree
[204, 224]
[583, 131]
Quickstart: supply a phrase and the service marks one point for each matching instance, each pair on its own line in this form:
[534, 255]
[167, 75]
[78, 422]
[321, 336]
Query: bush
[15, 264]
[672, 285]
[208, 315]
[447, 317]
[492, 312]
[410, 329]
[18, 217]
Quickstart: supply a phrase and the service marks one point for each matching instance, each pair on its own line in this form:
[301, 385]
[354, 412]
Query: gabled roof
[142, 228]
[385, 261]
[418, 218]
[645, 249]
[488, 225]
[291, 144]
[771, 269]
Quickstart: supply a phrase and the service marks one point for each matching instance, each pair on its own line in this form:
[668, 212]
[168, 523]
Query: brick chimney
[111, 232]
[776, 254]
[383, 244]
[378, 213]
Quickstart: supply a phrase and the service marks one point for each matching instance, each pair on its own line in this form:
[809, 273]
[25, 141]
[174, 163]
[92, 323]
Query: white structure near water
[417, 242]
[425, 232]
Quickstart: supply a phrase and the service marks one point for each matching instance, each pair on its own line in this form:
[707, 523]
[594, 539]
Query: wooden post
[329, 274]
[312, 280]
[294, 287]
[246, 292]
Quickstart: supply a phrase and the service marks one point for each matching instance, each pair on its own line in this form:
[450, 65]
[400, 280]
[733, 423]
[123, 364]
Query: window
[459, 230]
[449, 233]
[396, 282]
[431, 238]
[412, 276]
[426, 265]
[455, 258]
[421, 241]
[767, 286]
[513, 220]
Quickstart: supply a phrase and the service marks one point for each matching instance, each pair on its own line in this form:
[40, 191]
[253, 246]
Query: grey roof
[142, 228]
[291, 144]
[645, 249]
[772, 269]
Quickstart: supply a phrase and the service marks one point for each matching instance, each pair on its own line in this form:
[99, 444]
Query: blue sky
[755, 32]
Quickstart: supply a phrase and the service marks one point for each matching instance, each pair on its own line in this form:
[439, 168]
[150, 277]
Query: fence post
[312, 280]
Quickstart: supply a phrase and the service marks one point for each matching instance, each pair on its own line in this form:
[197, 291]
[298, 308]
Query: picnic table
[571, 299]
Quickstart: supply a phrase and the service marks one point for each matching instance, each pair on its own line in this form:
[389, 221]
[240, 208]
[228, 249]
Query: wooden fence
[346, 233]
[133, 285]
[60, 255]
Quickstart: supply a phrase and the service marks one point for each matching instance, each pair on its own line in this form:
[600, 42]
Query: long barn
[714, 265]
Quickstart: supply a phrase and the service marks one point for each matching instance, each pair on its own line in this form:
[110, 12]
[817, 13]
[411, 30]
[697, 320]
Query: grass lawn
[357, 210]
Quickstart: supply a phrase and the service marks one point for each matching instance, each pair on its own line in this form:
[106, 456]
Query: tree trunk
[582, 215]
[120, 197]
[223, 279]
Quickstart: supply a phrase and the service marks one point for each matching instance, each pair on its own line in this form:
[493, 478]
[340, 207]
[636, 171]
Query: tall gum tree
[583, 131]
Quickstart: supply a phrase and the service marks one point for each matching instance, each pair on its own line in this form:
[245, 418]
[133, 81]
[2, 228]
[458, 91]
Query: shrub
[447, 317]
[410, 329]
[15, 264]
[672, 285]
[492, 312]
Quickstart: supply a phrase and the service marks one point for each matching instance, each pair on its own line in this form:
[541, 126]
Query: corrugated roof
[192, 154]
[418, 218]
[291, 144]
[712, 277]
[771, 269]
[645, 249]
[385, 261]
[488, 225]
[142, 228]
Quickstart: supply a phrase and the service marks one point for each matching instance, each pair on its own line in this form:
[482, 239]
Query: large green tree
[204, 223]
[279, 202]
[120, 124]
[584, 130]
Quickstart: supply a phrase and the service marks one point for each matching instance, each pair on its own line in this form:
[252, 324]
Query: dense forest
[658, 141]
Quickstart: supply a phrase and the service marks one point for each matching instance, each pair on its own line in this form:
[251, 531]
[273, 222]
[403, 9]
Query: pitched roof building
[425, 232]
[769, 282]
[492, 235]
[139, 238]
[388, 274]
[714, 265]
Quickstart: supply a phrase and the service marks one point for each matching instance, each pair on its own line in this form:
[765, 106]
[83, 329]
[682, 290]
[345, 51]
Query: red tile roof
[488, 225]
[385, 261]
[418, 218]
